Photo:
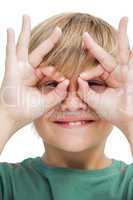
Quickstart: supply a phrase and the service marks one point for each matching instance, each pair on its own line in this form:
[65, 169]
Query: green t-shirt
[31, 179]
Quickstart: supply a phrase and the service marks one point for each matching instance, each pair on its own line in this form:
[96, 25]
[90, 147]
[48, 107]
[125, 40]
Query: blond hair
[68, 55]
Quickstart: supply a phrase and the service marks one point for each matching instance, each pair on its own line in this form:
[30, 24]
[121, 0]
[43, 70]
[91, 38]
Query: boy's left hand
[115, 104]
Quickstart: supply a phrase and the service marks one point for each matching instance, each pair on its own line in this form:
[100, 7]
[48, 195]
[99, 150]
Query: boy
[80, 78]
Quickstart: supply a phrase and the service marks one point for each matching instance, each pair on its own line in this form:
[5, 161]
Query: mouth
[74, 124]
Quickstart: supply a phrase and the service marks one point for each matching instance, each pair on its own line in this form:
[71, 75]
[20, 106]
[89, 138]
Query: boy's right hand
[20, 98]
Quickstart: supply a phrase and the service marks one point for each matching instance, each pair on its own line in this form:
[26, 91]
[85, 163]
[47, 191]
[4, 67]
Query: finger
[107, 61]
[87, 94]
[90, 73]
[24, 38]
[42, 74]
[123, 42]
[58, 76]
[105, 76]
[47, 73]
[131, 59]
[37, 55]
[57, 95]
[10, 47]
[52, 73]
[38, 76]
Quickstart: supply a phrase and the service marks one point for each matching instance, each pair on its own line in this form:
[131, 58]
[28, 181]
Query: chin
[73, 147]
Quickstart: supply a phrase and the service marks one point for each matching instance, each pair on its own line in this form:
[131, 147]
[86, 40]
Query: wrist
[7, 127]
[7, 124]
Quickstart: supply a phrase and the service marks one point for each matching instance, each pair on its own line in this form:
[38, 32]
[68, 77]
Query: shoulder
[22, 176]
[126, 168]
[26, 170]
[26, 166]
[127, 178]
[24, 163]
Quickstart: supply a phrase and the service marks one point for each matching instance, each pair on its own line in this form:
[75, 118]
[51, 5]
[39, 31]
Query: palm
[119, 75]
[112, 105]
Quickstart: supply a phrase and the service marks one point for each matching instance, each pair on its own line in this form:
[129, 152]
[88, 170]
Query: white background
[25, 143]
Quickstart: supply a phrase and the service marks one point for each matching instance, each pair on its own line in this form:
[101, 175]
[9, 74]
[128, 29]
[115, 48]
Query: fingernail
[126, 18]
[57, 28]
[83, 46]
[23, 16]
[62, 78]
[38, 73]
[83, 74]
[85, 34]
[79, 79]
[66, 82]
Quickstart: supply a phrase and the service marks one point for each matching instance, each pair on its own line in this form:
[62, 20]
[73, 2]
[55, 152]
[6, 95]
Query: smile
[76, 124]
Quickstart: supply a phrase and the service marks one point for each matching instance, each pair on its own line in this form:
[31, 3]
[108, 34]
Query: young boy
[79, 77]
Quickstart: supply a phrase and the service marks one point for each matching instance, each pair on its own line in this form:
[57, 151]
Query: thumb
[88, 95]
[57, 95]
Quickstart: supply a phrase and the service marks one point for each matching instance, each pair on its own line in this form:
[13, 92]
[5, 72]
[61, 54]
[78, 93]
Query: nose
[73, 102]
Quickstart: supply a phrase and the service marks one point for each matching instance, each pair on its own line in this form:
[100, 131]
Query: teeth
[76, 123]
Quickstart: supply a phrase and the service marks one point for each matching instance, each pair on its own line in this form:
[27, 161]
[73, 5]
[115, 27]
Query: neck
[88, 159]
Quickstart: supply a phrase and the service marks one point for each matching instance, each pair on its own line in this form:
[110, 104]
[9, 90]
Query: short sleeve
[5, 180]
[127, 180]
[130, 190]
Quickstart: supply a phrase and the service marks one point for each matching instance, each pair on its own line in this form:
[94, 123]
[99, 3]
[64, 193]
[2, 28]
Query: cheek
[44, 89]
[41, 126]
[105, 128]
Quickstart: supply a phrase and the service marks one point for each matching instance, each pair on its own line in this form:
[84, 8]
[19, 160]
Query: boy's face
[56, 130]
